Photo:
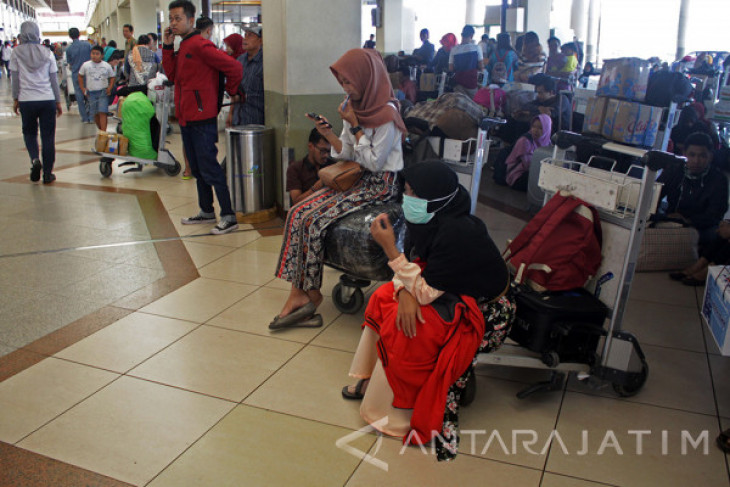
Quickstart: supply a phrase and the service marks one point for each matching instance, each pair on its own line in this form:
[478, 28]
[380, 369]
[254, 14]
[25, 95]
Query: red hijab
[235, 42]
[365, 69]
[449, 41]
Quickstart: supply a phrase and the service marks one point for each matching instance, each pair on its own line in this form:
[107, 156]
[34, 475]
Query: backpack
[499, 70]
[665, 87]
[560, 248]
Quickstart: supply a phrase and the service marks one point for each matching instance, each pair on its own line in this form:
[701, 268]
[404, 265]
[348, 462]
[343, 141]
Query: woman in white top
[372, 136]
[37, 96]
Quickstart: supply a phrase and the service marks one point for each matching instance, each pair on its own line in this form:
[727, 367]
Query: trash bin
[251, 168]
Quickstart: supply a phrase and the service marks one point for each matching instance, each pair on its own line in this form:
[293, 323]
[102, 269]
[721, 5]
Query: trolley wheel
[551, 359]
[173, 170]
[350, 306]
[105, 167]
[628, 390]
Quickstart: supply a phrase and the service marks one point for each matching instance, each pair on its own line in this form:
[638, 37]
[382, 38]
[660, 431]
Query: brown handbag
[341, 176]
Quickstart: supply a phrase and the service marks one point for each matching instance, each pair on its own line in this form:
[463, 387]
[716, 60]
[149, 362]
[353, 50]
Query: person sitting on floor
[697, 193]
[302, 177]
[423, 329]
[518, 162]
[716, 253]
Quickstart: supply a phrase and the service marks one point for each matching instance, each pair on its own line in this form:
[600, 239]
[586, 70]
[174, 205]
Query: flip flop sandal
[723, 441]
[358, 394]
[299, 314]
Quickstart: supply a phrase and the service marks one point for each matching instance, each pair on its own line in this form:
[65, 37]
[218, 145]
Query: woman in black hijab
[423, 329]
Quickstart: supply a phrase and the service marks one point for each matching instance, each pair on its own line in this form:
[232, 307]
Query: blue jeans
[83, 110]
[199, 143]
[31, 113]
[98, 103]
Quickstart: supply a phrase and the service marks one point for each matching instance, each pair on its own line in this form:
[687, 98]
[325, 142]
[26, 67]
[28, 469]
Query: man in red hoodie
[195, 69]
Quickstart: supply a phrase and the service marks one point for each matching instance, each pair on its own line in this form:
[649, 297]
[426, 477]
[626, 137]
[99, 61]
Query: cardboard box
[627, 114]
[716, 306]
[112, 143]
[595, 114]
[625, 78]
[428, 82]
[646, 128]
[608, 121]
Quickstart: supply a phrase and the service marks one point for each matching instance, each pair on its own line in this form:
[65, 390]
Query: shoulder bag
[341, 175]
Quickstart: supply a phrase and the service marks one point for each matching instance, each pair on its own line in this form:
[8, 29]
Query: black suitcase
[349, 247]
[568, 324]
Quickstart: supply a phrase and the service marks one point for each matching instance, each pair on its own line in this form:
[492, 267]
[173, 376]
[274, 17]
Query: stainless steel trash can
[251, 167]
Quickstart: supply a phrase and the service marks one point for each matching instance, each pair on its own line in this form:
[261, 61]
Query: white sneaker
[199, 218]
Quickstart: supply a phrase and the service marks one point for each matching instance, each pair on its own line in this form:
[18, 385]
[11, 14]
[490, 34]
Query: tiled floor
[151, 364]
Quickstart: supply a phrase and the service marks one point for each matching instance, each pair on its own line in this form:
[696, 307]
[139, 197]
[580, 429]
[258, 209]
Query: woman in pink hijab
[518, 162]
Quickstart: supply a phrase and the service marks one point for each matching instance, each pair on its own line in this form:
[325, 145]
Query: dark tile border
[176, 262]
[27, 469]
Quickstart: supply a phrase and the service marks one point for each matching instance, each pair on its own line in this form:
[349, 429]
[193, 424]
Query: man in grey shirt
[77, 54]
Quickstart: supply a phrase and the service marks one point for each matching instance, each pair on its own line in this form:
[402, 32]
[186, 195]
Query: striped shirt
[251, 111]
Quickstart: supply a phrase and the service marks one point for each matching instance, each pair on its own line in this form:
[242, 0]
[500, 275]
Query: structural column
[143, 14]
[297, 78]
[389, 36]
[594, 15]
[682, 28]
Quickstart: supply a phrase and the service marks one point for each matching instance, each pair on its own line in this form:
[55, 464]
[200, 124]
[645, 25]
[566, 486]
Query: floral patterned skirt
[498, 316]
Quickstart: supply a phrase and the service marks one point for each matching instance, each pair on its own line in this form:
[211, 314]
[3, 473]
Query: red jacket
[195, 69]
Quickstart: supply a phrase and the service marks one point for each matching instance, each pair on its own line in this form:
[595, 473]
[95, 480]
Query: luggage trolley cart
[350, 248]
[624, 204]
[165, 160]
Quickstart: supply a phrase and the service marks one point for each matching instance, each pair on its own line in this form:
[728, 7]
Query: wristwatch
[355, 130]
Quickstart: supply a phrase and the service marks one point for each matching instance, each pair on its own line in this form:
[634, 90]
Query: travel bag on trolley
[578, 330]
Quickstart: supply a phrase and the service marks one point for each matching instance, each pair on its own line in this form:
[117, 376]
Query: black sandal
[723, 441]
[358, 394]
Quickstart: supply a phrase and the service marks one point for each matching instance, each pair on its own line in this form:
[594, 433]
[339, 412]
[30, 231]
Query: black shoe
[677, 276]
[224, 226]
[35, 170]
[199, 218]
[49, 179]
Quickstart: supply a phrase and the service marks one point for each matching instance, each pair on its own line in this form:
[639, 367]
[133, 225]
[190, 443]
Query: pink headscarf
[518, 161]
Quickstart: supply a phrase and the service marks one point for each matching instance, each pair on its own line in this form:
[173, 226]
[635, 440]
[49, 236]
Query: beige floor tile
[199, 300]
[309, 386]
[497, 411]
[244, 266]
[231, 453]
[203, 254]
[38, 394]
[410, 466]
[343, 334]
[720, 367]
[677, 379]
[218, 362]
[664, 325]
[130, 430]
[553, 480]
[254, 313]
[605, 419]
[171, 202]
[128, 342]
[267, 244]
[658, 288]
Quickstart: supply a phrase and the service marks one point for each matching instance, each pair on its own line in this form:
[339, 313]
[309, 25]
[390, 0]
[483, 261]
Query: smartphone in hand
[318, 118]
